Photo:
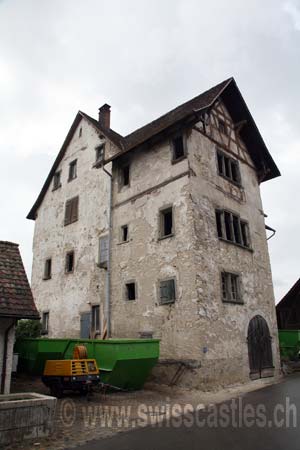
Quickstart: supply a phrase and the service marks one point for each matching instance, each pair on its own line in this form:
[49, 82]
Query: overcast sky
[144, 58]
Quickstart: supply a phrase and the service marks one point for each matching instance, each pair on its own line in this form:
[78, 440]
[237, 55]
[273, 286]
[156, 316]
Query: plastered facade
[198, 326]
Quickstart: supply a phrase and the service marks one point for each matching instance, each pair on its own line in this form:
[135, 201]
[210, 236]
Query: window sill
[55, 188]
[47, 278]
[177, 160]
[161, 238]
[70, 223]
[69, 272]
[235, 183]
[71, 179]
[232, 302]
[171, 302]
[237, 245]
[123, 242]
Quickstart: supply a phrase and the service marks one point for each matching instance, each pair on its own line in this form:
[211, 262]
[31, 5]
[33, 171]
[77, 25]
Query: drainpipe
[5, 355]
[108, 271]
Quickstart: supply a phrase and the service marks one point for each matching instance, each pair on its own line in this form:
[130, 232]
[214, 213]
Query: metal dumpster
[123, 363]
[289, 342]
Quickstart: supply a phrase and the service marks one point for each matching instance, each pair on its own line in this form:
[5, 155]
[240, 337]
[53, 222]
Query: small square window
[166, 222]
[178, 148]
[130, 292]
[72, 170]
[124, 233]
[48, 269]
[56, 180]
[70, 262]
[167, 292]
[45, 322]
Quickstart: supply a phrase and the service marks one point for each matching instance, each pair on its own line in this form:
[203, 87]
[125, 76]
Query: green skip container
[123, 363]
[289, 342]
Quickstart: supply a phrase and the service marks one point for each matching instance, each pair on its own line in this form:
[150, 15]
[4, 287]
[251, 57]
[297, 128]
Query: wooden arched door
[260, 348]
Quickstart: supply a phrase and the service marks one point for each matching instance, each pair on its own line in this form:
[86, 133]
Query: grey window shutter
[74, 214]
[68, 212]
[103, 251]
[167, 291]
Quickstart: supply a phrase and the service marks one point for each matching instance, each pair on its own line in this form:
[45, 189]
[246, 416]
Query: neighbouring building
[288, 309]
[16, 302]
[161, 233]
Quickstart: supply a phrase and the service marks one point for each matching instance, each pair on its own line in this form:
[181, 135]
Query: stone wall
[67, 295]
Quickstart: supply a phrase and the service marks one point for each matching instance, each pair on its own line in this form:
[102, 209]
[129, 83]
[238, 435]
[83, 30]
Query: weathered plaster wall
[224, 326]
[146, 259]
[66, 296]
[4, 324]
[199, 326]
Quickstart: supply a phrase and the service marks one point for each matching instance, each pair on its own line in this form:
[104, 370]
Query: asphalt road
[266, 419]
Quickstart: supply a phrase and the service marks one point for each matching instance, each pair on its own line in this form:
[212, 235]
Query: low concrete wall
[25, 416]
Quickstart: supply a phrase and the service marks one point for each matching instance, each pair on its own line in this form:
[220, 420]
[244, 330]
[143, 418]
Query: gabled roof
[292, 296]
[116, 138]
[15, 294]
[237, 108]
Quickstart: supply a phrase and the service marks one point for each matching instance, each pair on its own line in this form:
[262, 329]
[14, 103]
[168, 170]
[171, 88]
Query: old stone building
[162, 233]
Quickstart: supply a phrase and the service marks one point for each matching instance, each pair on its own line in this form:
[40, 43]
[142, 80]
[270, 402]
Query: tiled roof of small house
[15, 294]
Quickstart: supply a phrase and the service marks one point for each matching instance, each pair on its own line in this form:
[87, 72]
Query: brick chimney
[104, 115]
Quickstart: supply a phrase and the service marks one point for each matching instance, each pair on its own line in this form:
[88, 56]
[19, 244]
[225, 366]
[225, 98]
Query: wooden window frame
[47, 270]
[126, 296]
[45, 330]
[71, 210]
[122, 228]
[227, 285]
[72, 170]
[68, 254]
[95, 318]
[225, 164]
[121, 169]
[161, 222]
[56, 176]
[166, 280]
[184, 144]
[99, 160]
[222, 126]
[229, 223]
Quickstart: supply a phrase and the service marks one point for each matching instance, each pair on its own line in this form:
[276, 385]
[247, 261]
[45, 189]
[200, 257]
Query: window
[178, 148]
[231, 290]
[166, 222]
[80, 131]
[124, 176]
[72, 170]
[48, 269]
[124, 233]
[56, 180]
[45, 322]
[222, 126]
[130, 291]
[167, 293]
[228, 167]
[95, 318]
[231, 228]
[71, 210]
[103, 252]
[69, 262]
[99, 153]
